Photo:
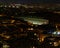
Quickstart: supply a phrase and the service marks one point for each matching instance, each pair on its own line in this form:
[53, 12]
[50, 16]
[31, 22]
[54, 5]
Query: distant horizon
[31, 1]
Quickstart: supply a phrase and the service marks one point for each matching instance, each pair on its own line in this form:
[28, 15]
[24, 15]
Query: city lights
[29, 25]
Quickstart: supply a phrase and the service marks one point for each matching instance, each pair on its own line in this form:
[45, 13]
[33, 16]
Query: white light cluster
[56, 33]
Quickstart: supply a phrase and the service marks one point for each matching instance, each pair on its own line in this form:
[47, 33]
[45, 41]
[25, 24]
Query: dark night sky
[30, 1]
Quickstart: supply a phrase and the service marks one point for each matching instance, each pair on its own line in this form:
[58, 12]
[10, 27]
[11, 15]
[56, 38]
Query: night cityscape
[29, 24]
